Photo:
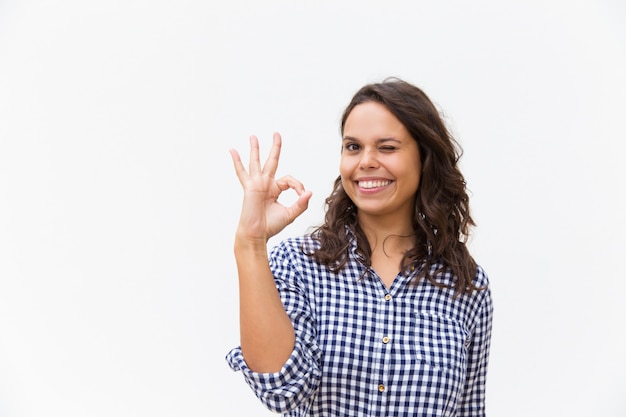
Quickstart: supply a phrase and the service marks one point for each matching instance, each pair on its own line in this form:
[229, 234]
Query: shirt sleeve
[472, 400]
[297, 381]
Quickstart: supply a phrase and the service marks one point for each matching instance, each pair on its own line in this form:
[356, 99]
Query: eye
[351, 146]
[388, 148]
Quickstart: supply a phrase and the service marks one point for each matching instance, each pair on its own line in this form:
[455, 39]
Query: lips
[370, 184]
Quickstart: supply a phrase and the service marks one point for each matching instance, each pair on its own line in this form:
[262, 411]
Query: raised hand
[262, 216]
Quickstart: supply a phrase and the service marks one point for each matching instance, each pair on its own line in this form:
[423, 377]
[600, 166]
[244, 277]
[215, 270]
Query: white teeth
[373, 184]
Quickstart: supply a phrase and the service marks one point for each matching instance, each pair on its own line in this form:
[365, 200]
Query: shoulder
[293, 265]
[484, 299]
[295, 252]
[481, 280]
[297, 245]
[474, 299]
[444, 274]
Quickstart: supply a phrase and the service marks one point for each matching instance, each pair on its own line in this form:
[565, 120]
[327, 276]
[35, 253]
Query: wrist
[246, 245]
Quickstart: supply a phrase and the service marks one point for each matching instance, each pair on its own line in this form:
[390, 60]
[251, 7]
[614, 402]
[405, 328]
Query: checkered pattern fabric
[366, 350]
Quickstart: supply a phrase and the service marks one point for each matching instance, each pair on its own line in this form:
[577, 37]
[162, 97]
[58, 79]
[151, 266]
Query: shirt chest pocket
[440, 341]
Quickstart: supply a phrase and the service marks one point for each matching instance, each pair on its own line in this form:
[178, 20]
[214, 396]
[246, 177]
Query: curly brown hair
[441, 220]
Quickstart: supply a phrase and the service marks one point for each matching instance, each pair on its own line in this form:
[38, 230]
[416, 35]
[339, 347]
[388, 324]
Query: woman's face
[380, 162]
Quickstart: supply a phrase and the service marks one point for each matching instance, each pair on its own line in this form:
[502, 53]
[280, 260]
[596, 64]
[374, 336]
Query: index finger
[240, 170]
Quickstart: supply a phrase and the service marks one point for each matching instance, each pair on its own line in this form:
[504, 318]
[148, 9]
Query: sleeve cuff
[285, 389]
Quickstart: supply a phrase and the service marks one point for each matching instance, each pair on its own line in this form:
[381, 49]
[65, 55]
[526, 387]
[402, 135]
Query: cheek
[418, 174]
[345, 172]
[344, 168]
[346, 182]
[418, 170]
[418, 179]
[417, 184]
[415, 177]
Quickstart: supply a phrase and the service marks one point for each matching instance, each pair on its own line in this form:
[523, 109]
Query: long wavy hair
[441, 219]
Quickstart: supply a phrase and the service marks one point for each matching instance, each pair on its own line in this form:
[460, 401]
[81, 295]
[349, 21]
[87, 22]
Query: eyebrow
[378, 141]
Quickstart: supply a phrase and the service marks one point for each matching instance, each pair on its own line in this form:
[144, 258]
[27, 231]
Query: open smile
[369, 185]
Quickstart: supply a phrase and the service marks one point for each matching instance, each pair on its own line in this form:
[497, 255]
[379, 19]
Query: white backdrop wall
[118, 202]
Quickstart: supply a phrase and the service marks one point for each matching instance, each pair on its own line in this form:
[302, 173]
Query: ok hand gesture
[262, 216]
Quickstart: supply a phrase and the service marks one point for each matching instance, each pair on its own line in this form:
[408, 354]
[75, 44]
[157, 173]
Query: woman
[381, 311]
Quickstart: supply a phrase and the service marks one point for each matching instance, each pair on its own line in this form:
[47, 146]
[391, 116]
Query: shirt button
[387, 297]
[385, 339]
[381, 388]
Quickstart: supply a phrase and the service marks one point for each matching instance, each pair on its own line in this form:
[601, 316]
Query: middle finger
[255, 163]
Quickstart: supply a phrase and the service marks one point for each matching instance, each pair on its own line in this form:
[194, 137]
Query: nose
[368, 159]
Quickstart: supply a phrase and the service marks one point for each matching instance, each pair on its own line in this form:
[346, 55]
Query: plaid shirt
[366, 350]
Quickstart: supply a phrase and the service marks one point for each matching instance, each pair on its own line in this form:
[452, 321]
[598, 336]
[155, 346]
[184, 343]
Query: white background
[118, 202]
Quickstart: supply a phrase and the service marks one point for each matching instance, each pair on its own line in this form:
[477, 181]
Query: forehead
[373, 119]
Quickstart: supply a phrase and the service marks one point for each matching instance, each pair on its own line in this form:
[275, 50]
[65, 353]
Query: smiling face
[380, 162]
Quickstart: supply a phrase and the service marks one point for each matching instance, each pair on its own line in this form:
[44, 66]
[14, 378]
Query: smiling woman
[381, 311]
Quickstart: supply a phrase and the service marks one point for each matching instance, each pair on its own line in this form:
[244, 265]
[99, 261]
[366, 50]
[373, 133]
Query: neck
[396, 236]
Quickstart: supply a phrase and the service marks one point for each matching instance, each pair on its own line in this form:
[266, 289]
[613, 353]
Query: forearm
[267, 334]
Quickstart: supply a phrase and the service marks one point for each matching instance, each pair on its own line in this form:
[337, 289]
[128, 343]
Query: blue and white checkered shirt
[363, 349]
